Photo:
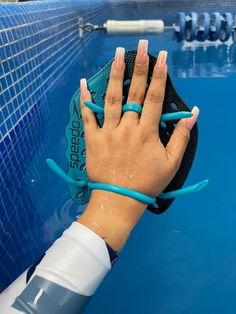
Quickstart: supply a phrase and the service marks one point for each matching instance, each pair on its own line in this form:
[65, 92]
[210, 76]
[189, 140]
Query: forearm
[77, 262]
[112, 217]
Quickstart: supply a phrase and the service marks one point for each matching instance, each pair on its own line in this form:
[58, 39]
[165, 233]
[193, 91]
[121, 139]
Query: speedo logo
[74, 140]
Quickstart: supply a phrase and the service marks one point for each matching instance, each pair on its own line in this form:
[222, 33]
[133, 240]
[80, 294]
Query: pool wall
[39, 42]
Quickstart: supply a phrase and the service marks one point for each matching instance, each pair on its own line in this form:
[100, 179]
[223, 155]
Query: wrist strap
[122, 191]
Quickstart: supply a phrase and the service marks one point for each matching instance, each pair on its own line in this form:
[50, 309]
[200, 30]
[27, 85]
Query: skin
[127, 150]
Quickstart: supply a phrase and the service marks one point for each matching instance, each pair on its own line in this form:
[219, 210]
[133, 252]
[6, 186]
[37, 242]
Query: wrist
[112, 216]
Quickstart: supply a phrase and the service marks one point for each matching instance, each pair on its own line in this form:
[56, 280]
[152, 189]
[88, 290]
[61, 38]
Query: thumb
[180, 138]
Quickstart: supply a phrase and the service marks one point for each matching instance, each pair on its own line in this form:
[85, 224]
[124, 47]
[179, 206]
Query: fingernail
[161, 60]
[119, 58]
[190, 122]
[83, 88]
[141, 57]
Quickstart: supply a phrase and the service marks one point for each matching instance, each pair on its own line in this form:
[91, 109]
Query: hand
[127, 150]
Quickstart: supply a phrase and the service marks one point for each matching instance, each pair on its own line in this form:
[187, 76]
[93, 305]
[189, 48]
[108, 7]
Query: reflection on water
[198, 60]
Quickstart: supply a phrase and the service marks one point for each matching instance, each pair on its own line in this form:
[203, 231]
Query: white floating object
[134, 27]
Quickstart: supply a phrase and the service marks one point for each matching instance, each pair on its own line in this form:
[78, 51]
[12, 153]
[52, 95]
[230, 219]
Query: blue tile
[5, 66]
[18, 115]
[8, 50]
[9, 36]
[11, 64]
[5, 112]
[8, 124]
[7, 96]
[3, 38]
[14, 75]
[27, 131]
[10, 107]
[3, 54]
[8, 79]
[2, 101]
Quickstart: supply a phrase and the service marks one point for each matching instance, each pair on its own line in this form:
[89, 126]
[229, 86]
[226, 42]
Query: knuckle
[113, 100]
[156, 97]
[86, 119]
[135, 96]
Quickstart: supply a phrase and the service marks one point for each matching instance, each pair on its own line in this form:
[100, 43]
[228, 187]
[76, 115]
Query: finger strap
[132, 107]
[137, 108]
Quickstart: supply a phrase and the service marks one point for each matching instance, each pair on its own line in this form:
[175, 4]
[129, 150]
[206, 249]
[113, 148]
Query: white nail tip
[120, 50]
[195, 111]
[83, 82]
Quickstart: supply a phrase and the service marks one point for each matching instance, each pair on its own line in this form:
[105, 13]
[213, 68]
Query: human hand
[127, 150]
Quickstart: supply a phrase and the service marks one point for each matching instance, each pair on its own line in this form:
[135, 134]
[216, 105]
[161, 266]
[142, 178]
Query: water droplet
[33, 181]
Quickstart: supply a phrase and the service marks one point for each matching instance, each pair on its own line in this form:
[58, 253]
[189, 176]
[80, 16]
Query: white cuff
[78, 260]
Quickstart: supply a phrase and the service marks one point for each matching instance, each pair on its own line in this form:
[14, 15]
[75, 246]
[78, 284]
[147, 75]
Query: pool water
[183, 261]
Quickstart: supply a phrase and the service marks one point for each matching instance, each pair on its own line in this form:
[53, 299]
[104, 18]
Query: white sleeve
[68, 275]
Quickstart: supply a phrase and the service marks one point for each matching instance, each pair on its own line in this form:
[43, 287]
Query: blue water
[183, 261]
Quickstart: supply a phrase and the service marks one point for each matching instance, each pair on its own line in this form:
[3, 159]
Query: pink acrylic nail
[142, 56]
[161, 60]
[119, 58]
[190, 122]
[83, 88]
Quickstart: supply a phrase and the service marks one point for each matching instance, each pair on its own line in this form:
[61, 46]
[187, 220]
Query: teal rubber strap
[132, 107]
[95, 108]
[123, 191]
[55, 168]
[99, 186]
[189, 189]
[176, 115]
[137, 108]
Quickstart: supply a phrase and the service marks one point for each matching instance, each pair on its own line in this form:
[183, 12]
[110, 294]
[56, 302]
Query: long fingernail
[161, 60]
[119, 58]
[83, 88]
[190, 122]
[142, 56]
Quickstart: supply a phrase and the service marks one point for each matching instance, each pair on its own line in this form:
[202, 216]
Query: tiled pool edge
[34, 56]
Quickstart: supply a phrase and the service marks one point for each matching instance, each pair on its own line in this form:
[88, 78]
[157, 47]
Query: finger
[153, 103]
[139, 80]
[180, 138]
[89, 120]
[114, 94]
